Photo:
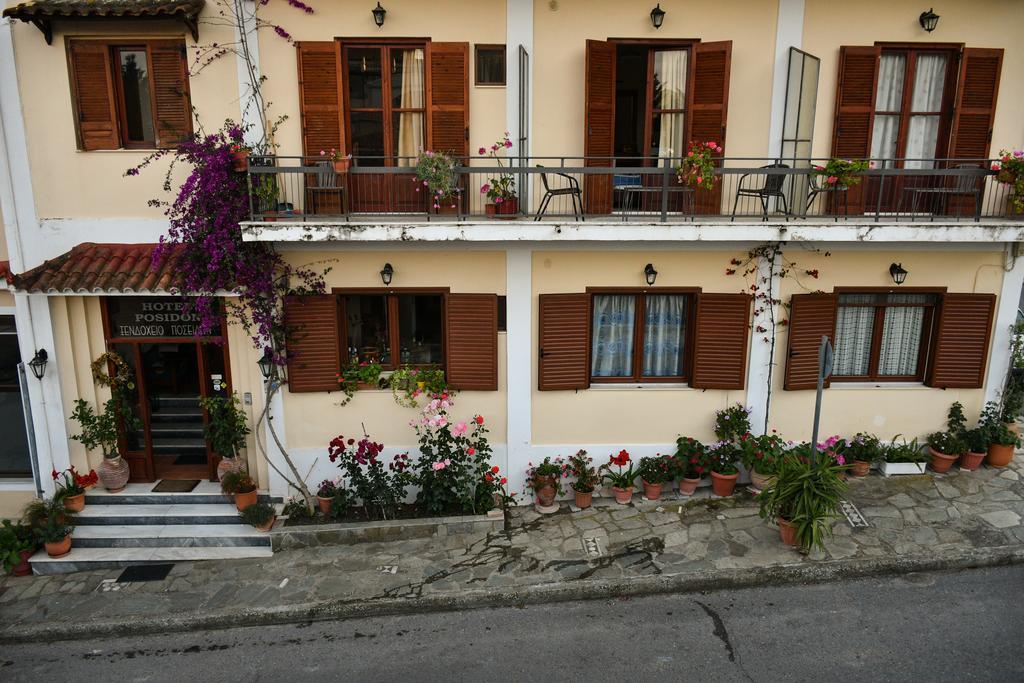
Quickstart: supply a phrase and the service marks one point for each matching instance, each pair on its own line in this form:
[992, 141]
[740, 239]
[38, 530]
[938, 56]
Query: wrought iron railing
[309, 189]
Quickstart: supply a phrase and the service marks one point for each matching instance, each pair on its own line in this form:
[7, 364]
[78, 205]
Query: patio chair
[772, 188]
[572, 190]
[327, 186]
[965, 184]
[814, 188]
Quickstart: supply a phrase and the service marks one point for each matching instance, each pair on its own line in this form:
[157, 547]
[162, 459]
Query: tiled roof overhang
[91, 268]
[41, 13]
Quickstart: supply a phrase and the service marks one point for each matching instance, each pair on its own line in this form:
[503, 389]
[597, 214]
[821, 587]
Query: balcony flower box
[507, 209]
[890, 468]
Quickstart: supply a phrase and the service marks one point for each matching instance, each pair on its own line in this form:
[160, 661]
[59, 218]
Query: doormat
[145, 572]
[175, 485]
[191, 459]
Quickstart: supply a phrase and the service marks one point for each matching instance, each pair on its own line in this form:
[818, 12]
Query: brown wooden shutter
[313, 345]
[448, 95]
[320, 96]
[92, 91]
[708, 108]
[173, 112]
[564, 341]
[721, 333]
[811, 316]
[975, 107]
[471, 328]
[599, 124]
[855, 113]
[961, 340]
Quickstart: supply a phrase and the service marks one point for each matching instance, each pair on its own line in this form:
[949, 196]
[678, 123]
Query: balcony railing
[308, 189]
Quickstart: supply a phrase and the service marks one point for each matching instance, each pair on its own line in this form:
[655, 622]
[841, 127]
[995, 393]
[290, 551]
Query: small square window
[490, 65]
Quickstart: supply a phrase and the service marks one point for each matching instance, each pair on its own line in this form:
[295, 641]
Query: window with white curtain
[882, 336]
[638, 336]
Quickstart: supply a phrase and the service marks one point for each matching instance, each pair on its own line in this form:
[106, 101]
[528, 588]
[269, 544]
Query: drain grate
[145, 572]
[592, 546]
[853, 515]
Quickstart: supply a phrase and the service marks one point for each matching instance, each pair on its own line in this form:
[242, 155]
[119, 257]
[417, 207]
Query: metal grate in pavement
[853, 515]
[592, 546]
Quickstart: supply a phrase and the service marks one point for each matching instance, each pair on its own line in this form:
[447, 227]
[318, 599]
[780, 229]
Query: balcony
[747, 190]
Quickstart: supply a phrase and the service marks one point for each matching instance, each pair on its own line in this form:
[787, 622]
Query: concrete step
[85, 559]
[177, 430]
[205, 493]
[168, 535]
[153, 513]
[176, 415]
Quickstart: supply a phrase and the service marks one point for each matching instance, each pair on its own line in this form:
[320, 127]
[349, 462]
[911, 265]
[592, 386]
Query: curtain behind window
[663, 335]
[888, 97]
[670, 84]
[854, 328]
[410, 124]
[612, 336]
[901, 335]
[923, 131]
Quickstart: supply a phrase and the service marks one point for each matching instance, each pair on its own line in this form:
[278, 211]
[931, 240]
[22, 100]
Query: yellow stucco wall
[911, 410]
[979, 23]
[313, 419]
[12, 502]
[627, 415]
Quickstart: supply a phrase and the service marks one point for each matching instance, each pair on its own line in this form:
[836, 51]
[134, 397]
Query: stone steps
[168, 535]
[86, 559]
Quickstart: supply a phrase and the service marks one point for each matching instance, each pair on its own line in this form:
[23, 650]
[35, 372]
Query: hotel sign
[151, 317]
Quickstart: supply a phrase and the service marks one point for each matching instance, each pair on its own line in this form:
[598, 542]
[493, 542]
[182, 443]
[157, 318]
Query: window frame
[121, 104]
[501, 48]
[390, 295]
[640, 294]
[927, 341]
[650, 112]
[15, 388]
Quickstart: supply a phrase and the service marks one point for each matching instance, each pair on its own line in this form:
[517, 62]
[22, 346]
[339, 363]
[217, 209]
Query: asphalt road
[965, 626]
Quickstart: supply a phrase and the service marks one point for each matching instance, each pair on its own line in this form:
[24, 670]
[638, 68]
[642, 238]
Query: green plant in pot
[545, 480]
[226, 430]
[722, 458]
[436, 172]
[362, 375]
[50, 522]
[654, 471]
[260, 515]
[621, 480]
[803, 500]
[691, 464]
[409, 383]
[760, 455]
[946, 447]
[863, 450]
[99, 432]
[976, 442]
[239, 484]
[581, 467]
[17, 543]
[1001, 439]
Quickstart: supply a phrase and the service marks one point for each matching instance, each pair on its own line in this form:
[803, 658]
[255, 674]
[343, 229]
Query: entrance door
[171, 381]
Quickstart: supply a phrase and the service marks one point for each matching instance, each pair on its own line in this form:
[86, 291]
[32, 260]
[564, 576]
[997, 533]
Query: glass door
[214, 382]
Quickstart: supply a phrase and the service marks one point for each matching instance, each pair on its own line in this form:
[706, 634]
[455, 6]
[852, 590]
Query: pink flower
[438, 466]
[425, 183]
[498, 200]
[995, 166]
[832, 180]
[699, 180]
[1018, 153]
[459, 429]
[508, 144]
[442, 421]
[485, 188]
[481, 151]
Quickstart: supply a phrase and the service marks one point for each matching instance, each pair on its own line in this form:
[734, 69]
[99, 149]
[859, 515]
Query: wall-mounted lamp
[378, 15]
[266, 363]
[650, 274]
[386, 274]
[929, 20]
[38, 363]
[657, 16]
[899, 275]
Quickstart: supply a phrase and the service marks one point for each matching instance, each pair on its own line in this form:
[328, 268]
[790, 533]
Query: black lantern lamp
[657, 16]
[899, 275]
[386, 274]
[38, 363]
[650, 274]
[929, 20]
[378, 15]
[266, 363]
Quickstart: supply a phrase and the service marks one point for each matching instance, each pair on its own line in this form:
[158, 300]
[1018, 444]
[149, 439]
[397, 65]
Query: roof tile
[91, 268]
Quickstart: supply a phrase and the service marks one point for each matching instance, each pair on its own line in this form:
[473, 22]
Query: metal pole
[664, 188]
[822, 357]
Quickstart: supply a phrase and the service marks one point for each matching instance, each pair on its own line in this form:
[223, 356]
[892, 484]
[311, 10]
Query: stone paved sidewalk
[960, 514]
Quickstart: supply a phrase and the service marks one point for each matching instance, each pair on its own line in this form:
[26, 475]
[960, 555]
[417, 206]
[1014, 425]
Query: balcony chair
[772, 188]
[840, 195]
[572, 190]
[965, 184]
[327, 185]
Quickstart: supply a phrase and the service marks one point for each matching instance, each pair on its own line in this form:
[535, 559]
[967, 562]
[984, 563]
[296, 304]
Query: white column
[1006, 316]
[248, 42]
[789, 30]
[16, 197]
[519, 363]
[519, 31]
[277, 485]
[761, 362]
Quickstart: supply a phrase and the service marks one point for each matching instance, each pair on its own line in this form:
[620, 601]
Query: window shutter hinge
[541, 353]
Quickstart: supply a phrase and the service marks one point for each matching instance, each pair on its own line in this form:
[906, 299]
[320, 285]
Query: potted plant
[840, 174]
[586, 478]
[17, 544]
[722, 457]
[225, 430]
[976, 441]
[1010, 171]
[622, 480]
[654, 471]
[946, 447]
[1001, 439]
[50, 521]
[905, 457]
[239, 157]
[409, 383]
[803, 500]
[436, 172]
[863, 450]
[759, 454]
[340, 162]
[99, 430]
[359, 376]
[732, 423]
[501, 190]
[691, 464]
[239, 484]
[260, 515]
[325, 495]
[545, 480]
[698, 167]
[71, 487]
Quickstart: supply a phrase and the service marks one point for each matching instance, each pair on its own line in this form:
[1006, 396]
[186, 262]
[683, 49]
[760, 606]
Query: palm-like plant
[806, 496]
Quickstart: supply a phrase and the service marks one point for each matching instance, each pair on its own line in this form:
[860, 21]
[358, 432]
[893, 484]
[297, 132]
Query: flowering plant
[762, 453]
[351, 377]
[581, 468]
[623, 479]
[498, 484]
[415, 382]
[502, 188]
[71, 483]
[691, 460]
[656, 469]
[698, 167]
[834, 448]
[732, 422]
[377, 488]
[722, 457]
[864, 448]
[436, 171]
[1010, 170]
[328, 488]
[547, 469]
[840, 172]
[333, 154]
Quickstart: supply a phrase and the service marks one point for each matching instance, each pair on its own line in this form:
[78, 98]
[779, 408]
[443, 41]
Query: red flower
[495, 469]
[54, 474]
[488, 477]
[621, 459]
[470, 451]
[479, 419]
[504, 480]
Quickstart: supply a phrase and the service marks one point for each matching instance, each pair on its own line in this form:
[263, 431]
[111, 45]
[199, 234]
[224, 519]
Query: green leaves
[806, 496]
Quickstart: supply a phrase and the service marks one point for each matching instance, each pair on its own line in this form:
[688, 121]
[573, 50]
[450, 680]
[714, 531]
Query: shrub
[722, 457]
[904, 451]
[864, 447]
[761, 453]
[732, 422]
[806, 496]
[586, 476]
[656, 469]
[258, 514]
[226, 429]
[556, 469]
[378, 489]
[237, 481]
[691, 458]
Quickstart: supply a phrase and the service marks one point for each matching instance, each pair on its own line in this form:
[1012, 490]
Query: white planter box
[890, 468]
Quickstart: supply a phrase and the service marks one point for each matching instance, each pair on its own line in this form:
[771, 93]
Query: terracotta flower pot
[787, 531]
[75, 503]
[971, 461]
[688, 486]
[23, 568]
[999, 455]
[546, 490]
[324, 505]
[860, 468]
[723, 484]
[448, 207]
[244, 500]
[760, 481]
[227, 465]
[240, 160]
[113, 472]
[652, 491]
[341, 165]
[59, 548]
[623, 496]
[940, 461]
[584, 499]
[507, 209]
[268, 525]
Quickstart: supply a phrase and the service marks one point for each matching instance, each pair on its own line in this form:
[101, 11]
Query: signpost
[825, 358]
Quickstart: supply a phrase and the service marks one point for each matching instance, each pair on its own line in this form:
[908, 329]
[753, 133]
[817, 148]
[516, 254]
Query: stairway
[137, 526]
[176, 425]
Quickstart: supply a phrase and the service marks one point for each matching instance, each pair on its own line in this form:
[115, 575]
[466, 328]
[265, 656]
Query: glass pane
[407, 82]
[136, 438]
[14, 456]
[7, 325]
[891, 68]
[901, 340]
[922, 136]
[929, 79]
[795, 74]
[808, 97]
[367, 319]
[364, 78]
[612, 336]
[667, 135]
[420, 329]
[138, 109]
[368, 136]
[490, 66]
[854, 329]
[670, 79]
[10, 356]
[663, 335]
[884, 136]
[408, 136]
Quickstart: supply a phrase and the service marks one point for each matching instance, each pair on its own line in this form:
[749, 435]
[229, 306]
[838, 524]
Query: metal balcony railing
[308, 189]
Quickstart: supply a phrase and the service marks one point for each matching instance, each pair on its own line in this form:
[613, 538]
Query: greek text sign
[150, 316]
